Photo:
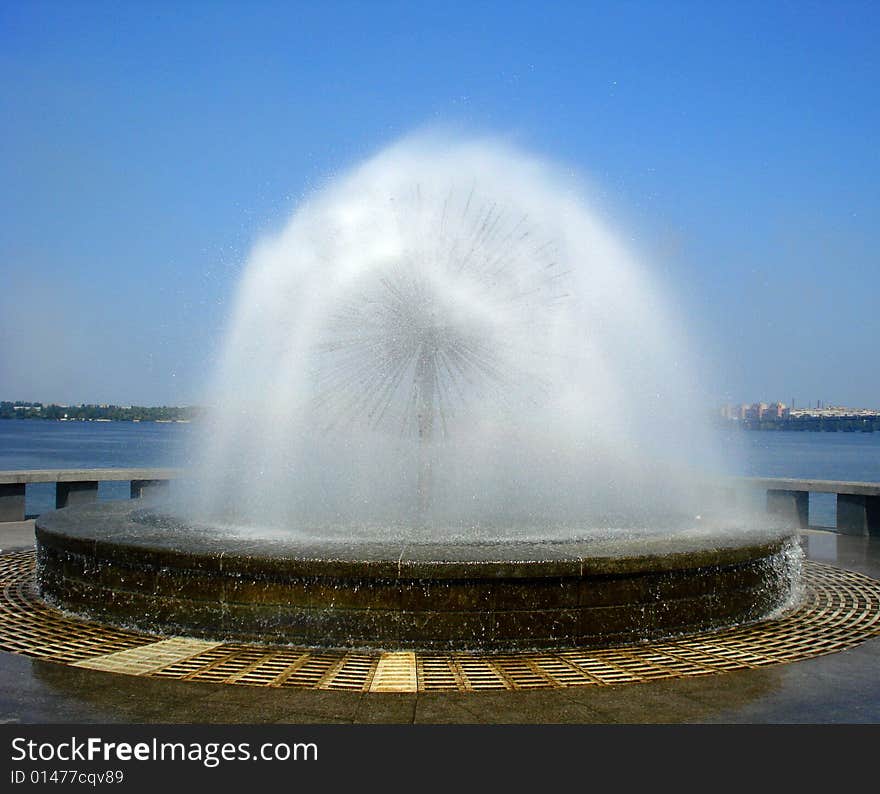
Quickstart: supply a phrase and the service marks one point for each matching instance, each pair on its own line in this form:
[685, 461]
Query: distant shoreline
[841, 424]
[170, 414]
[100, 421]
[826, 425]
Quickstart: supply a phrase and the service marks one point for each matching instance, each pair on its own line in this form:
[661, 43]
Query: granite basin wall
[95, 563]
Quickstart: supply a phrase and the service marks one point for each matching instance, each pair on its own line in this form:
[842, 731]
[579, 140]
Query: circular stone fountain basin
[133, 567]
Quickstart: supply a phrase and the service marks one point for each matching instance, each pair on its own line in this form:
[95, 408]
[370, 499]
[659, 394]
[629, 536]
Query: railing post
[74, 493]
[872, 503]
[857, 514]
[12, 501]
[139, 487]
[793, 507]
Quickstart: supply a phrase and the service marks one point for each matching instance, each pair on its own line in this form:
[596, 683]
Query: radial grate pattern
[839, 610]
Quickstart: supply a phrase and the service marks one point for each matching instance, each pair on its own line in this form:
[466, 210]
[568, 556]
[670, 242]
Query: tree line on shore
[86, 412]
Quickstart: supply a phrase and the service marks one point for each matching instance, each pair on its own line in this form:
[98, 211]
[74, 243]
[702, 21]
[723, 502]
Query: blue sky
[145, 146]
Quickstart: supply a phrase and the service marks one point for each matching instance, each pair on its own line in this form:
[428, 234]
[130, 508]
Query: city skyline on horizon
[796, 404]
[730, 148]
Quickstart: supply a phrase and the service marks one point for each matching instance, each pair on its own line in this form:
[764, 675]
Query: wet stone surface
[132, 567]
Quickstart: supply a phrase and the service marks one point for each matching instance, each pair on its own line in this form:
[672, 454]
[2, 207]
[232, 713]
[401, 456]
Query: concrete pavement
[841, 687]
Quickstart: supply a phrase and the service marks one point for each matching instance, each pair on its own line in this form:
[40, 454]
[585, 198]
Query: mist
[451, 338]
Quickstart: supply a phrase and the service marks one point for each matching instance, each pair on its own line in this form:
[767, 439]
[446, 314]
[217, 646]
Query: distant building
[776, 411]
[756, 411]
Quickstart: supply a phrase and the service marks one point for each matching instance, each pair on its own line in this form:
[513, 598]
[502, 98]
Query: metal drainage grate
[839, 610]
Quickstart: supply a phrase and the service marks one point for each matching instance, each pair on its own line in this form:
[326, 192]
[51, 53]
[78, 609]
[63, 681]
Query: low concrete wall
[19, 476]
[858, 503]
[74, 486]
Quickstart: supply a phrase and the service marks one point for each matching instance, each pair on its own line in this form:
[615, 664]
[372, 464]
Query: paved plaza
[840, 687]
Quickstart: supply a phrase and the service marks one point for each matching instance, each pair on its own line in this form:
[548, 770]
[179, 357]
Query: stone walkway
[842, 687]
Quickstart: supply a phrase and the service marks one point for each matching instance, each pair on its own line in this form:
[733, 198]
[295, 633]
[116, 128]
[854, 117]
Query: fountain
[452, 412]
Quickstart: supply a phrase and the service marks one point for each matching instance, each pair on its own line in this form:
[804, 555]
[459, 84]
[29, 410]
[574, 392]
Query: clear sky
[145, 146]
